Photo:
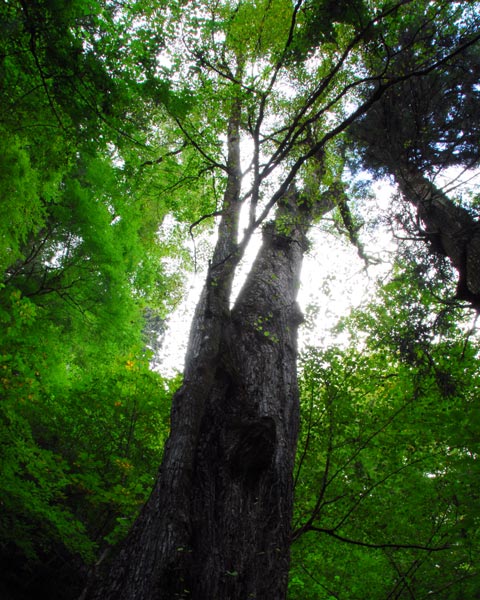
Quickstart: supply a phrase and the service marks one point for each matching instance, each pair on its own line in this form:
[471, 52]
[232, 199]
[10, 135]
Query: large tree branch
[297, 126]
[383, 84]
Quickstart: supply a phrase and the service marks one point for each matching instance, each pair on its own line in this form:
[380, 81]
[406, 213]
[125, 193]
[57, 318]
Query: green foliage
[81, 427]
[386, 494]
[82, 418]
[82, 430]
[79, 450]
[112, 137]
[259, 28]
[327, 22]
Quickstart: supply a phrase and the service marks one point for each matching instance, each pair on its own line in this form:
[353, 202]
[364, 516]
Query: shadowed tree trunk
[452, 230]
[217, 524]
[417, 129]
[242, 482]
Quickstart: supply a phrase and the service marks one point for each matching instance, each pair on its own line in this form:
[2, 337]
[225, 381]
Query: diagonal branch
[191, 139]
[159, 160]
[216, 213]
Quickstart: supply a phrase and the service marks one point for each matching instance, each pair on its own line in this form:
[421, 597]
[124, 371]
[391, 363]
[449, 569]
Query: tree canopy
[129, 129]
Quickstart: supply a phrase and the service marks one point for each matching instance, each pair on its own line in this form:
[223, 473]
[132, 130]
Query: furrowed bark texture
[217, 525]
[156, 559]
[243, 477]
[218, 522]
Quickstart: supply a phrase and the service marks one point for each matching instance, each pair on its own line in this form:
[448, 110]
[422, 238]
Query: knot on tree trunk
[251, 447]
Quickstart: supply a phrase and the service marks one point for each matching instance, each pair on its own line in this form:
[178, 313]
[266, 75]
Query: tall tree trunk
[452, 230]
[242, 483]
[217, 524]
[156, 559]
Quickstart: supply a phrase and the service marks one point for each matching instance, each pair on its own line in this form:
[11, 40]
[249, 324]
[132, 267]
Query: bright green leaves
[259, 29]
[77, 452]
[263, 325]
[33, 487]
[387, 456]
[111, 427]
[82, 419]
[113, 122]
[21, 212]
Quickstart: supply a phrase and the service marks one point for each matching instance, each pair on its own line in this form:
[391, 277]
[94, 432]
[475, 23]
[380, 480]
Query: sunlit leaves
[81, 260]
[387, 457]
[259, 29]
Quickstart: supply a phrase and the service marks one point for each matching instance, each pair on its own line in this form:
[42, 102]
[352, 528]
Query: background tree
[418, 133]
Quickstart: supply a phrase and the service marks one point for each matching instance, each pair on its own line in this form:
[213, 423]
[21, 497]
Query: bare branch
[196, 145]
[216, 213]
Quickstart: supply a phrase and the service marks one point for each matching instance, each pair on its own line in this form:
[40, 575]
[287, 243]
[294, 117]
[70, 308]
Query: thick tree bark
[242, 482]
[156, 559]
[451, 229]
[218, 522]
[217, 525]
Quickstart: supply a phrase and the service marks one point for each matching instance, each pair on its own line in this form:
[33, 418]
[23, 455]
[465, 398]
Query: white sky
[334, 279]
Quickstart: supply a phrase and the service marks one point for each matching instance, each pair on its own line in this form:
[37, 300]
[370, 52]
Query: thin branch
[329, 591]
[332, 533]
[457, 182]
[307, 441]
[295, 130]
[374, 485]
[198, 147]
[323, 488]
[225, 74]
[402, 579]
[468, 335]
[102, 117]
[402, 583]
[450, 584]
[255, 195]
[164, 156]
[373, 435]
[383, 84]
[216, 213]
[308, 525]
[33, 50]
